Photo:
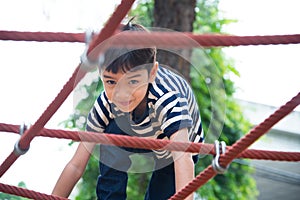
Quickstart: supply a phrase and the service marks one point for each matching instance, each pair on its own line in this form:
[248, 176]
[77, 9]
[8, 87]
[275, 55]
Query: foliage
[143, 11]
[219, 112]
[5, 196]
[237, 182]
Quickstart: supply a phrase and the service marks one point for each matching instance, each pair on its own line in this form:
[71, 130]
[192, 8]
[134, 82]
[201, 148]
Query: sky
[268, 74]
[31, 74]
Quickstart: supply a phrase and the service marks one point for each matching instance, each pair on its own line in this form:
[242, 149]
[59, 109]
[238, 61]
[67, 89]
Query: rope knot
[220, 148]
[17, 150]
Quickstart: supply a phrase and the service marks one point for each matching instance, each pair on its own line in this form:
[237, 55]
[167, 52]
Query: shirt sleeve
[99, 116]
[173, 113]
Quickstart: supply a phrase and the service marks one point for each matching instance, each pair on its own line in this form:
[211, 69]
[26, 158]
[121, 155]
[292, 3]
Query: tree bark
[177, 15]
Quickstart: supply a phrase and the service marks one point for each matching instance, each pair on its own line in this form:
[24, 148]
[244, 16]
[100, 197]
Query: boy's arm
[73, 170]
[183, 163]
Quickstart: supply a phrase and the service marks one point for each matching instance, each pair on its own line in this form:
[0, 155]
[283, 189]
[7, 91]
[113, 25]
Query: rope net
[159, 39]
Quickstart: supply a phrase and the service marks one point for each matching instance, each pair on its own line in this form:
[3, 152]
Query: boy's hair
[124, 59]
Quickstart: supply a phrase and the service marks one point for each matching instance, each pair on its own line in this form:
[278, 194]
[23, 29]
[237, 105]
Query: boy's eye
[110, 82]
[132, 82]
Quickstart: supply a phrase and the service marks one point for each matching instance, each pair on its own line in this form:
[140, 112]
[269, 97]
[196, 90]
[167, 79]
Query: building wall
[276, 180]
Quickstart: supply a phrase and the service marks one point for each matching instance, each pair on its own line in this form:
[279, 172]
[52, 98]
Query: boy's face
[127, 90]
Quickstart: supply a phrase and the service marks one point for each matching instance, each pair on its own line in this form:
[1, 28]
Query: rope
[188, 40]
[238, 147]
[159, 39]
[78, 74]
[9, 189]
[148, 143]
[42, 36]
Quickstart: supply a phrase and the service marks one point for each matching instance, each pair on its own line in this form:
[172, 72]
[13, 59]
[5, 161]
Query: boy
[140, 98]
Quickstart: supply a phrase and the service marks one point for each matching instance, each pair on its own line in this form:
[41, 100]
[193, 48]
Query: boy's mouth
[124, 103]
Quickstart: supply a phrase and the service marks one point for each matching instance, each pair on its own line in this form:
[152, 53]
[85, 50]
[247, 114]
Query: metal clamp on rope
[219, 146]
[86, 63]
[17, 150]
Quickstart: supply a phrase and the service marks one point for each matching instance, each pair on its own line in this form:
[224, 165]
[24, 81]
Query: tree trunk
[177, 15]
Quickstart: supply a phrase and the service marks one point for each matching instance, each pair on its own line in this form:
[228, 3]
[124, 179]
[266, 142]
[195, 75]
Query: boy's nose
[122, 92]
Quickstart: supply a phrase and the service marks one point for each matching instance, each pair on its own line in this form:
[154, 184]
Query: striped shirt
[171, 107]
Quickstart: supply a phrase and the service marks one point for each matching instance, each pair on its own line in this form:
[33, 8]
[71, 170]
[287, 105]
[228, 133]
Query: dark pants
[114, 164]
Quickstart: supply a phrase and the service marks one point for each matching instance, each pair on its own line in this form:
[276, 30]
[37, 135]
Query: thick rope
[159, 39]
[148, 143]
[78, 74]
[189, 40]
[42, 36]
[239, 147]
[9, 189]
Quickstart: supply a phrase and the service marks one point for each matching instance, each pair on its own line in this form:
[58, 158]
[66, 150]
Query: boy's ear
[153, 72]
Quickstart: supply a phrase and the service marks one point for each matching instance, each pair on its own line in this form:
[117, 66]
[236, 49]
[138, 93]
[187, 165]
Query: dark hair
[125, 59]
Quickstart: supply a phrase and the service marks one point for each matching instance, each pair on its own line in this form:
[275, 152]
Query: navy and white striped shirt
[171, 107]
